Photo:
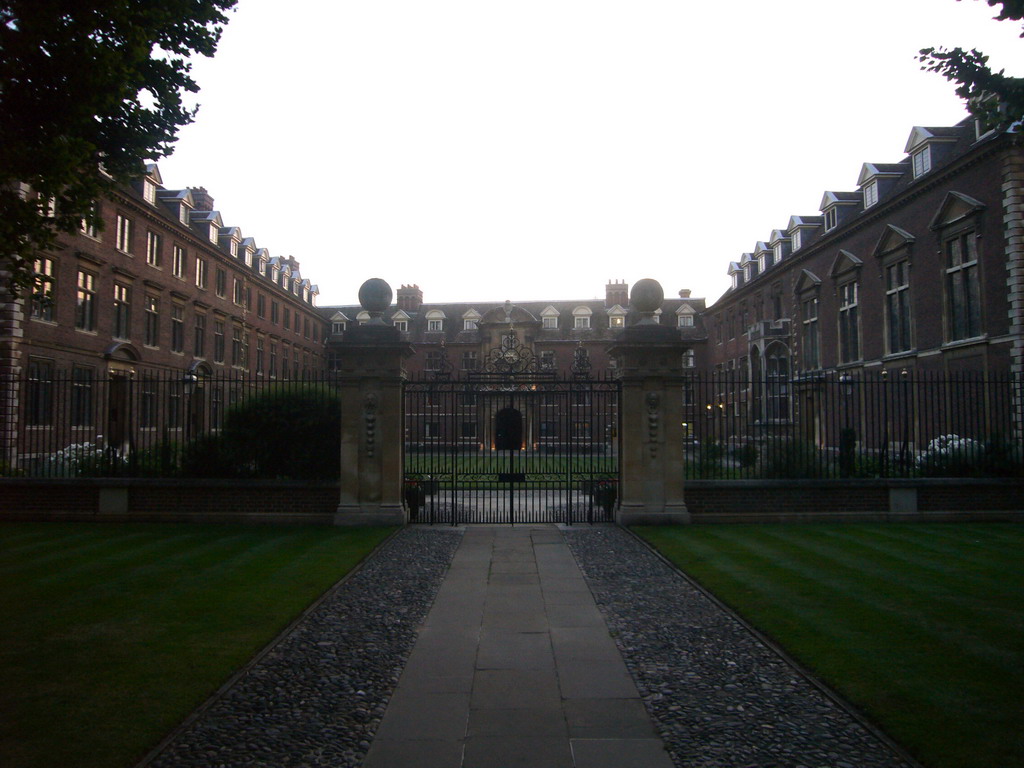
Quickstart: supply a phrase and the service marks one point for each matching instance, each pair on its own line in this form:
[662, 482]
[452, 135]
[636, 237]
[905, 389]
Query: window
[233, 248]
[221, 285]
[237, 347]
[122, 311]
[178, 261]
[922, 162]
[274, 307]
[849, 327]
[795, 240]
[963, 301]
[200, 274]
[468, 430]
[42, 290]
[689, 359]
[830, 219]
[897, 306]
[273, 359]
[400, 325]
[433, 362]
[431, 429]
[549, 429]
[85, 307]
[177, 328]
[810, 346]
[149, 191]
[870, 194]
[124, 234]
[199, 342]
[218, 341]
[469, 324]
[153, 249]
[581, 430]
[686, 320]
[616, 321]
[470, 361]
[581, 317]
[435, 324]
[547, 360]
[551, 323]
[39, 393]
[239, 292]
[81, 397]
[259, 354]
[152, 337]
[89, 229]
[261, 306]
[287, 319]
[147, 403]
[305, 327]
[338, 326]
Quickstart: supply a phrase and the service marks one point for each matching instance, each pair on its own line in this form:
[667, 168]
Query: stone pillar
[649, 362]
[370, 369]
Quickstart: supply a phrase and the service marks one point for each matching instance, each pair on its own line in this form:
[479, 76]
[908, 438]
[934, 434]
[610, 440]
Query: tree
[89, 89]
[993, 97]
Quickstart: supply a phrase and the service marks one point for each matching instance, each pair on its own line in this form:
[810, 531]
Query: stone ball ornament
[375, 297]
[646, 297]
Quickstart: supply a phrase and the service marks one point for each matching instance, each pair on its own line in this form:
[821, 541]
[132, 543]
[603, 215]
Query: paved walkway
[514, 666]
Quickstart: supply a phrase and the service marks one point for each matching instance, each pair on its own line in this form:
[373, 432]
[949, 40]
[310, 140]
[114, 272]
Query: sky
[536, 149]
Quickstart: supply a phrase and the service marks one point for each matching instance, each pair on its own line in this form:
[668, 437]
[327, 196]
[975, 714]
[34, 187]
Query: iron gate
[512, 442]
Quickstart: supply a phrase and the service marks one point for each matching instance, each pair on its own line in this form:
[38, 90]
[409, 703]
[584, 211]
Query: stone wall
[737, 501]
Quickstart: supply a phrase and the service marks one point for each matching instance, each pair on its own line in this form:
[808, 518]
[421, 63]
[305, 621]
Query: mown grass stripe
[918, 624]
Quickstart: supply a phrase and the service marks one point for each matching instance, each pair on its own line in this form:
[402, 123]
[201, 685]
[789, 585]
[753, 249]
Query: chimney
[410, 298]
[616, 293]
[201, 198]
[685, 293]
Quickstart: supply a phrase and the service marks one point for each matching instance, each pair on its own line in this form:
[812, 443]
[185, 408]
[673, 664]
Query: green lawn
[111, 634]
[919, 625]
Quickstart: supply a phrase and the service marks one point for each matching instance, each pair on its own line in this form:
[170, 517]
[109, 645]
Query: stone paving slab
[548, 687]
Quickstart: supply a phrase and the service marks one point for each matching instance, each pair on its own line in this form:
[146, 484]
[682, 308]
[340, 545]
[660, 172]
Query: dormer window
[402, 326]
[870, 194]
[470, 320]
[213, 234]
[777, 251]
[922, 160]
[435, 320]
[233, 248]
[830, 219]
[581, 318]
[550, 323]
[795, 240]
[149, 191]
[338, 326]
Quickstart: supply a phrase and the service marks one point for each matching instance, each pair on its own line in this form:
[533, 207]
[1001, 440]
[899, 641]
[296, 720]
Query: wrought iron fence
[831, 425]
[165, 425]
[819, 426]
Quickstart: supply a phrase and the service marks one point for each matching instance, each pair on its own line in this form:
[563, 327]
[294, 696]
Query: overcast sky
[535, 149]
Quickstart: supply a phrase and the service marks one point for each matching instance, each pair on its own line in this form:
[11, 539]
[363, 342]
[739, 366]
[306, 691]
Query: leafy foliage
[284, 432]
[976, 82]
[88, 90]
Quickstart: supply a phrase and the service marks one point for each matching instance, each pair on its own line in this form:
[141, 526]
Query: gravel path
[318, 696]
[720, 697]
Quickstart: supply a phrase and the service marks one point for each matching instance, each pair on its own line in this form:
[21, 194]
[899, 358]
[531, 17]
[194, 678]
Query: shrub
[950, 456]
[791, 459]
[285, 431]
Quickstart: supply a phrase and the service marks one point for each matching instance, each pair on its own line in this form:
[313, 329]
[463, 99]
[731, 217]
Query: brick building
[558, 334]
[164, 287]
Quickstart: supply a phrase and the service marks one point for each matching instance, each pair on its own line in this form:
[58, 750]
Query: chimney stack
[685, 293]
[616, 293]
[410, 298]
[202, 199]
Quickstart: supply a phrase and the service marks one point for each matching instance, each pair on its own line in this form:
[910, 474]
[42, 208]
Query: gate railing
[830, 425]
[511, 449]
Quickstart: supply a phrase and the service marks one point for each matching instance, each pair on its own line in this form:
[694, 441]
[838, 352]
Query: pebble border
[317, 696]
[721, 697]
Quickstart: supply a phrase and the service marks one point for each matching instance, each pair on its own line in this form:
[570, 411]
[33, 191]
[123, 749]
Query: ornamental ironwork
[511, 359]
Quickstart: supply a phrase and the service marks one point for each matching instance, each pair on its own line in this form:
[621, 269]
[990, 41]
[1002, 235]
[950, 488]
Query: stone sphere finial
[375, 297]
[646, 297]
